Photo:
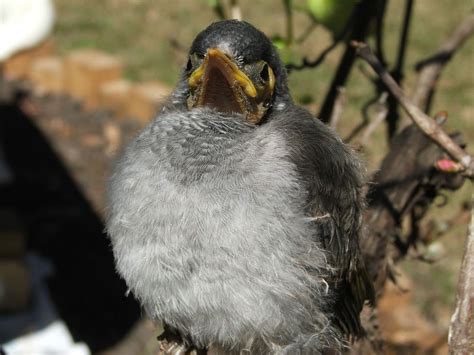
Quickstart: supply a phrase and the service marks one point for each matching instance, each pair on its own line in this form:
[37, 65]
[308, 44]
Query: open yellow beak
[219, 83]
[216, 58]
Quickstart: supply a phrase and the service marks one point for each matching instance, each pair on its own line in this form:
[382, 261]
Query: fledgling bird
[234, 216]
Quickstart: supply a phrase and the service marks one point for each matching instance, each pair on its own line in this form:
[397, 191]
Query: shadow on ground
[62, 227]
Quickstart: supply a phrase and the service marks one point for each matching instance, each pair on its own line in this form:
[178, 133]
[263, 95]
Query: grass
[141, 33]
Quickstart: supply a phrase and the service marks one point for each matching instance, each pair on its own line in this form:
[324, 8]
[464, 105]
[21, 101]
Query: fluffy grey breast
[207, 224]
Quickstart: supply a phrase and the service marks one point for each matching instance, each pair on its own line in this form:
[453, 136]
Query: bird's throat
[219, 94]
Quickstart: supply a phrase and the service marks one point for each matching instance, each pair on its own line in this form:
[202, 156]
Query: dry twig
[314, 63]
[235, 11]
[367, 126]
[338, 107]
[380, 116]
[364, 13]
[430, 69]
[397, 72]
[423, 121]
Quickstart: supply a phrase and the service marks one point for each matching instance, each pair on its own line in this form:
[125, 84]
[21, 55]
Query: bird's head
[233, 67]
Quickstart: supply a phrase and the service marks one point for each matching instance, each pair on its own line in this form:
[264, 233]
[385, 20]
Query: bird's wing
[333, 178]
[351, 281]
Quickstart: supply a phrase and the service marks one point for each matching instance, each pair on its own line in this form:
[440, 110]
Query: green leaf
[279, 42]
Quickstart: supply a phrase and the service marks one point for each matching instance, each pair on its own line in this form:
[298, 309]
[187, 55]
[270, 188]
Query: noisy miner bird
[234, 216]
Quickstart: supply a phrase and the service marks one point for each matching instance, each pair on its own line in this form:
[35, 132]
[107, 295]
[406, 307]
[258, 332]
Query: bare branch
[364, 12]
[289, 21]
[314, 63]
[430, 69]
[380, 116]
[306, 64]
[219, 10]
[304, 36]
[382, 109]
[423, 121]
[338, 107]
[235, 11]
[461, 332]
[451, 45]
[379, 33]
[393, 116]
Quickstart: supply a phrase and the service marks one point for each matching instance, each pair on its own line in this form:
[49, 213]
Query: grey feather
[241, 236]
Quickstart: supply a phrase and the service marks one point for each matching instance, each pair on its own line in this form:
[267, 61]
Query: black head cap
[245, 43]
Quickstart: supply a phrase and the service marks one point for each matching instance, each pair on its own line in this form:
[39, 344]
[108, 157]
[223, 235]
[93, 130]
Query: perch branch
[430, 69]
[461, 332]
[423, 121]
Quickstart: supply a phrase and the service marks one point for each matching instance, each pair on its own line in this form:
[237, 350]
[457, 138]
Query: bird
[234, 216]
[23, 24]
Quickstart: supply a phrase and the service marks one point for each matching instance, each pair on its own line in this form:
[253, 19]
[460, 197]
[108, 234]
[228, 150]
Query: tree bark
[461, 332]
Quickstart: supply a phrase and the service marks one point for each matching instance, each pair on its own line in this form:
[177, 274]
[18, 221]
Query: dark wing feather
[333, 177]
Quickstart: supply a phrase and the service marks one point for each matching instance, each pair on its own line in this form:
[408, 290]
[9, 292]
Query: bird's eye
[189, 65]
[264, 74]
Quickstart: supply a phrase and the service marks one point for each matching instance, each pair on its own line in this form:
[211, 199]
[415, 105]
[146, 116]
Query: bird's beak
[219, 83]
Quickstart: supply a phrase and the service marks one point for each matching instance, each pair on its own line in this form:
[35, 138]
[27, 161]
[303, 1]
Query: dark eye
[189, 65]
[264, 73]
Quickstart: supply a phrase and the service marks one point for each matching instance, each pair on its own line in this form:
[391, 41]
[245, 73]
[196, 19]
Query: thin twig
[364, 12]
[219, 10]
[461, 331]
[235, 11]
[366, 121]
[307, 64]
[306, 32]
[381, 6]
[380, 117]
[338, 107]
[402, 46]
[423, 121]
[289, 22]
[430, 69]
[397, 72]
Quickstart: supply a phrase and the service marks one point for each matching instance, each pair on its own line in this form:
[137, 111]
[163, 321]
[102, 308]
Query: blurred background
[92, 74]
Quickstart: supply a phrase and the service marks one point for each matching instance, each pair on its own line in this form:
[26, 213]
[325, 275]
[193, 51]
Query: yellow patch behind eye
[196, 76]
[271, 79]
